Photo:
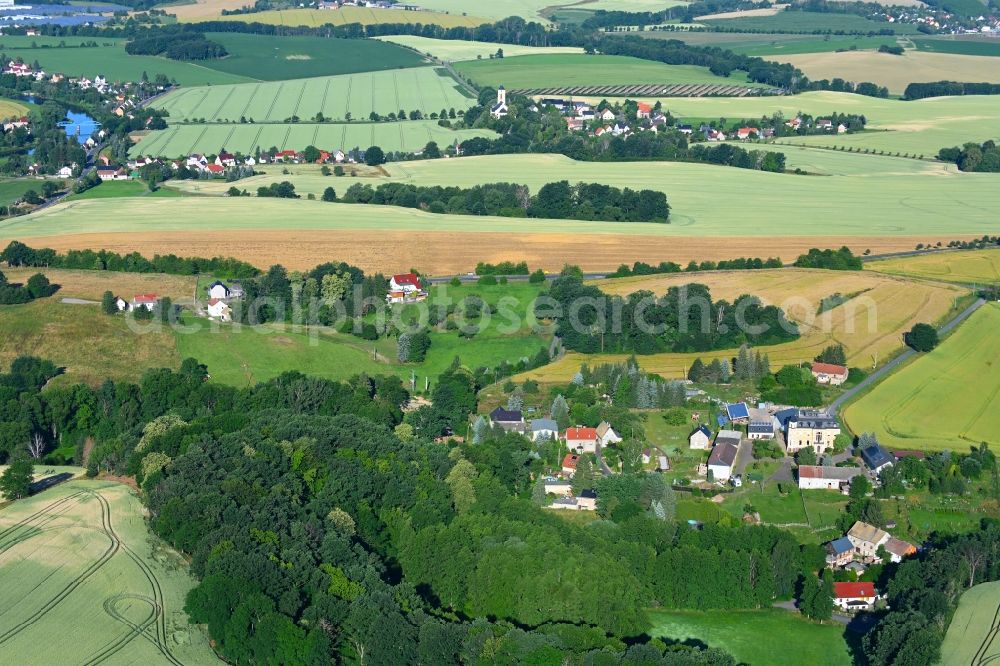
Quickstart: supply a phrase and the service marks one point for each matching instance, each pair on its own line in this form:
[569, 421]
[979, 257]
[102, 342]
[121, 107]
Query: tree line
[738, 264]
[176, 46]
[37, 286]
[836, 260]
[983, 157]
[558, 200]
[685, 319]
[18, 254]
[949, 88]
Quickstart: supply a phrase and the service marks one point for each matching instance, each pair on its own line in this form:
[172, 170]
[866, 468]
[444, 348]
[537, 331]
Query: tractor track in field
[135, 629]
[89, 571]
[980, 657]
[48, 508]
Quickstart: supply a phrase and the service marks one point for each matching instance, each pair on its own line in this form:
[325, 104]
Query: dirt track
[445, 253]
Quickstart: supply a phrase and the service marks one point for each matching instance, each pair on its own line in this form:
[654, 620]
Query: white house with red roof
[581, 440]
[643, 110]
[218, 309]
[829, 373]
[858, 596]
[147, 301]
[405, 288]
[225, 159]
[215, 169]
[745, 133]
[569, 463]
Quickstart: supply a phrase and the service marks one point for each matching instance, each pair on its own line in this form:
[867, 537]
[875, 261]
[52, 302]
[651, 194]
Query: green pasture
[110, 60]
[315, 18]
[418, 88]
[116, 189]
[498, 9]
[455, 50]
[764, 45]
[706, 201]
[550, 71]
[960, 44]
[82, 575]
[795, 21]
[963, 266]
[12, 189]
[291, 57]
[758, 638]
[971, 637]
[946, 399]
[411, 135]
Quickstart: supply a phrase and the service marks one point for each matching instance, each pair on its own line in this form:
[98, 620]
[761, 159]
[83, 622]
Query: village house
[509, 420]
[606, 435]
[544, 429]
[225, 159]
[738, 412]
[405, 288]
[721, 460]
[828, 373]
[218, 290]
[569, 462]
[761, 427]
[853, 597]
[122, 304]
[587, 500]
[866, 539]
[560, 487]
[215, 169]
[607, 115]
[824, 124]
[839, 552]
[11, 125]
[700, 438]
[683, 129]
[574, 124]
[499, 110]
[812, 428]
[581, 440]
[877, 458]
[112, 173]
[235, 290]
[147, 301]
[643, 110]
[813, 477]
[65, 172]
[218, 309]
[745, 133]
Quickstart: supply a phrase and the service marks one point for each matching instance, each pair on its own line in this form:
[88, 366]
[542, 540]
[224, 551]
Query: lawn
[115, 189]
[292, 57]
[758, 638]
[564, 70]
[426, 89]
[12, 189]
[946, 399]
[455, 50]
[972, 635]
[964, 266]
[12, 109]
[314, 18]
[774, 507]
[79, 567]
[962, 44]
[795, 21]
[411, 135]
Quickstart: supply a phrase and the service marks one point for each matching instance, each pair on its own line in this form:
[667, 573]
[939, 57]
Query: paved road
[894, 363]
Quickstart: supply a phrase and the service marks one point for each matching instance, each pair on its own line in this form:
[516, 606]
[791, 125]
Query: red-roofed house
[854, 596]
[405, 288]
[283, 155]
[215, 169]
[581, 440]
[225, 159]
[569, 462]
[147, 301]
[217, 309]
[828, 373]
[745, 133]
[643, 110]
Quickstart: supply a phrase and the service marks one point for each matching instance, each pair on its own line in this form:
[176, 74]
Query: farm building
[738, 412]
[732, 437]
[721, 460]
[405, 288]
[828, 373]
[813, 477]
[898, 549]
[854, 596]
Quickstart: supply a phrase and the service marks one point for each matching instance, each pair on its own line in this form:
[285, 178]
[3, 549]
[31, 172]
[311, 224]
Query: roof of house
[853, 590]
[407, 278]
[761, 426]
[569, 460]
[723, 453]
[644, 108]
[828, 369]
[828, 472]
[604, 428]
[919, 455]
[875, 456]
[218, 283]
[215, 301]
[899, 548]
[732, 437]
[144, 298]
[813, 418]
[538, 425]
[738, 411]
[589, 493]
[214, 168]
[865, 532]
[703, 429]
[581, 433]
[840, 546]
[506, 416]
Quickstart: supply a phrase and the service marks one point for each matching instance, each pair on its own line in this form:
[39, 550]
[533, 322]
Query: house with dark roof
[510, 420]
[218, 290]
[761, 428]
[811, 428]
[738, 412]
[721, 460]
[877, 458]
[839, 552]
[544, 429]
[701, 438]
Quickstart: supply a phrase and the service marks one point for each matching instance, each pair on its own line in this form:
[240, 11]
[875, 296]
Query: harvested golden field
[203, 8]
[448, 253]
[869, 325]
[92, 284]
[892, 71]
[92, 346]
[968, 266]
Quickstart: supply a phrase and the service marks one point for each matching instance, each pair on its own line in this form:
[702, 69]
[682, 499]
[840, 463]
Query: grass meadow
[764, 45]
[11, 109]
[560, 70]
[455, 50]
[426, 89]
[795, 21]
[980, 45]
[79, 557]
[972, 635]
[758, 638]
[948, 398]
[314, 18]
[964, 266]
[12, 189]
[411, 135]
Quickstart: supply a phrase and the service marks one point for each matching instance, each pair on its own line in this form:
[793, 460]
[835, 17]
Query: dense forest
[949, 88]
[685, 319]
[559, 200]
[177, 46]
[983, 157]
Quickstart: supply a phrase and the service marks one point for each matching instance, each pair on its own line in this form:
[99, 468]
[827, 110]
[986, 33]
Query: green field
[12, 189]
[758, 638]
[123, 188]
[81, 575]
[313, 18]
[455, 50]
[10, 108]
[278, 58]
[411, 135]
[960, 44]
[795, 21]
[551, 71]
[419, 88]
[772, 44]
[946, 399]
[110, 60]
[972, 635]
[965, 266]
[706, 201]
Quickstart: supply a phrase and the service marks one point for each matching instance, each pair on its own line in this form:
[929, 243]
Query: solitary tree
[329, 194]
[922, 337]
[374, 156]
[108, 305]
[15, 482]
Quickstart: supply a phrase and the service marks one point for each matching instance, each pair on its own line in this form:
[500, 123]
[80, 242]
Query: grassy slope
[808, 22]
[758, 638]
[56, 548]
[963, 44]
[456, 49]
[10, 108]
[772, 44]
[14, 188]
[314, 18]
[970, 266]
[946, 399]
[545, 71]
[117, 189]
[972, 626]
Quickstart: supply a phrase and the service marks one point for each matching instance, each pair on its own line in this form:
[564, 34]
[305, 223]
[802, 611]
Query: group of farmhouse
[220, 295]
[604, 120]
